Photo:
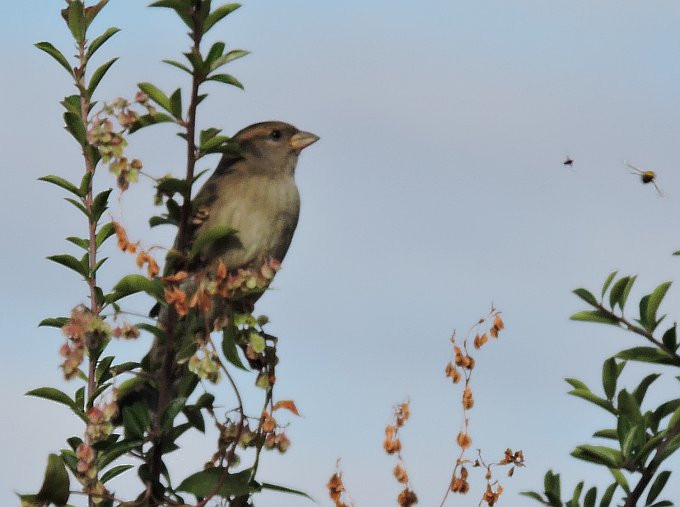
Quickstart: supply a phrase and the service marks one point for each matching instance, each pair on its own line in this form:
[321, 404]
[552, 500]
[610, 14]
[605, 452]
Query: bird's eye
[275, 134]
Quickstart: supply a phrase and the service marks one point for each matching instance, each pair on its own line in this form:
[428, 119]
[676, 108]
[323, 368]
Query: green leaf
[197, 63]
[577, 384]
[598, 454]
[215, 144]
[593, 398]
[100, 204]
[672, 446]
[102, 373]
[176, 103]
[227, 79]
[224, 59]
[551, 484]
[641, 389]
[174, 408]
[608, 282]
[70, 262]
[626, 291]
[202, 483]
[229, 346]
[577, 494]
[215, 52]
[76, 20]
[675, 418]
[283, 489]
[181, 7]
[74, 125]
[81, 242]
[72, 104]
[61, 182]
[56, 54]
[210, 238]
[56, 484]
[53, 394]
[105, 232]
[208, 134]
[218, 14]
[655, 299]
[589, 499]
[609, 377]
[617, 291]
[54, 322]
[113, 472]
[632, 441]
[115, 451]
[586, 296]
[132, 284]
[136, 420]
[628, 406]
[156, 95]
[194, 416]
[620, 479]
[77, 205]
[178, 65]
[97, 76]
[99, 41]
[607, 433]
[150, 119]
[608, 495]
[657, 486]
[669, 338]
[647, 355]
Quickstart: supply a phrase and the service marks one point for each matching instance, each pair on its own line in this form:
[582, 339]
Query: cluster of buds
[407, 498]
[392, 445]
[246, 281]
[516, 459]
[273, 440]
[459, 483]
[278, 441]
[99, 418]
[205, 363]
[84, 330]
[144, 258]
[126, 331]
[490, 496]
[124, 243]
[337, 490]
[463, 440]
[111, 143]
[87, 472]
[481, 339]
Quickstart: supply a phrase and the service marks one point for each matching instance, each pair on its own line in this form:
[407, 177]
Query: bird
[253, 192]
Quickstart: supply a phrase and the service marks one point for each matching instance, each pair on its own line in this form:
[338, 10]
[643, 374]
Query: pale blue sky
[436, 189]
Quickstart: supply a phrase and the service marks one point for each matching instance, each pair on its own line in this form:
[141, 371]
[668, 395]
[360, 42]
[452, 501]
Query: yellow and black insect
[645, 176]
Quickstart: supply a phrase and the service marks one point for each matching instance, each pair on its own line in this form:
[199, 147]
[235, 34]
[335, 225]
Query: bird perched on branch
[252, 192]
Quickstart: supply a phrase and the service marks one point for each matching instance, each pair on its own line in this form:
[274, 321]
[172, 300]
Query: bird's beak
[301, 140]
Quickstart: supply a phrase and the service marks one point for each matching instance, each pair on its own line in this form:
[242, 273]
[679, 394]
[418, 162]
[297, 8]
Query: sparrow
[253, 192]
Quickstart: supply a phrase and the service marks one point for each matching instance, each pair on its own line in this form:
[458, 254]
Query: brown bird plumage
[255, 193]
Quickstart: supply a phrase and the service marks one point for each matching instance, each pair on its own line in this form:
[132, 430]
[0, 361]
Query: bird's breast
[264, 211]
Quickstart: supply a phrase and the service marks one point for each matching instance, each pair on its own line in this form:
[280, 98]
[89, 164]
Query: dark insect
[645, 177]
[568, 162]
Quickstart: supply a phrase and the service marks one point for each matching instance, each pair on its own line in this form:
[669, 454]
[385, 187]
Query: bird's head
[272, 147]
